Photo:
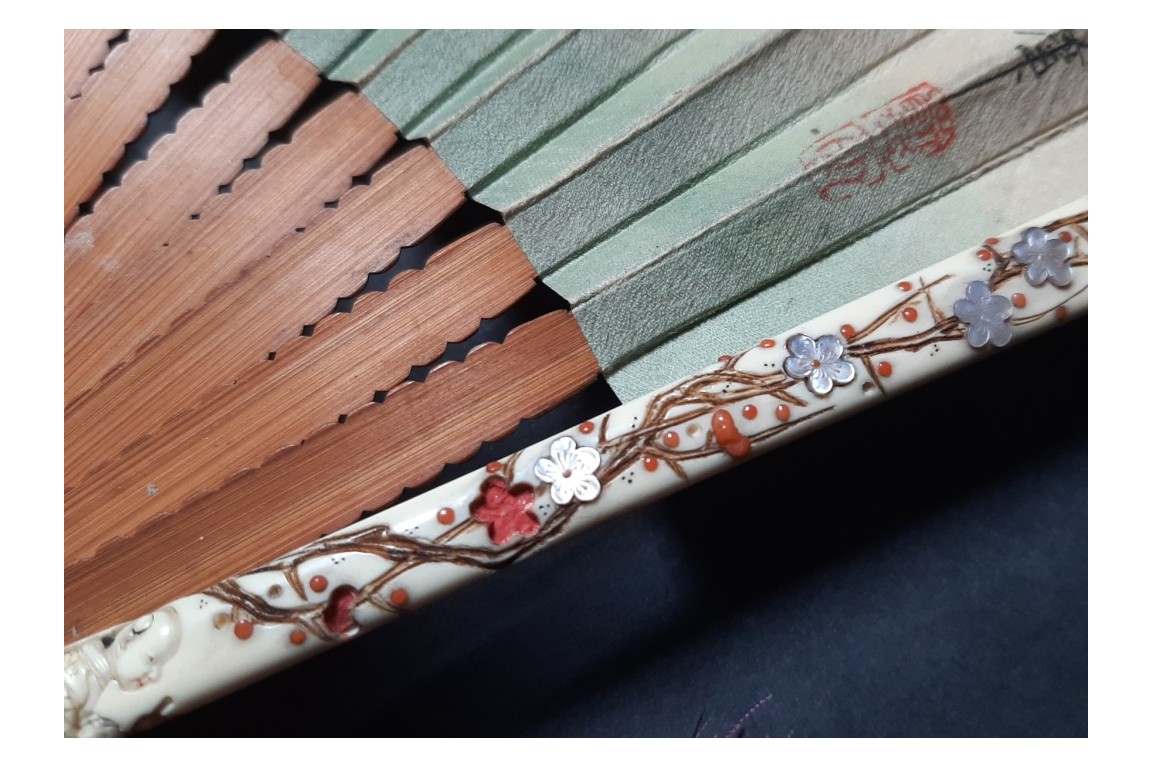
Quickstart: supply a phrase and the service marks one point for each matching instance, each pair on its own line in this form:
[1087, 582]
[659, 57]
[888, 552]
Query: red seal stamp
[885, 141]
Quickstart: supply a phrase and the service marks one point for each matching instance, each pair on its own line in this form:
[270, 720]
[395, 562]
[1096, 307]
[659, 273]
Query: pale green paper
[662, 180]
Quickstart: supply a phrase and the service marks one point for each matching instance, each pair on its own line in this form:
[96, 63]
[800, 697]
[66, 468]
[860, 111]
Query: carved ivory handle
[203, 646]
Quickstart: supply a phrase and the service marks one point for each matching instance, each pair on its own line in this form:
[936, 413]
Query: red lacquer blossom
[508, 511]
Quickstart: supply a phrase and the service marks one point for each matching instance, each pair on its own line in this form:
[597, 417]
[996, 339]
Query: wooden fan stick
[149, 316]
[175, 270]
[183, 172]
[336, 474]
[295, 286]
[951, 314]
[114, 105]
[280, 403]
[84, 50]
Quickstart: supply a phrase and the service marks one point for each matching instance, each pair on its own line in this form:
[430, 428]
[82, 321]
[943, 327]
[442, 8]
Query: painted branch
[946, 316]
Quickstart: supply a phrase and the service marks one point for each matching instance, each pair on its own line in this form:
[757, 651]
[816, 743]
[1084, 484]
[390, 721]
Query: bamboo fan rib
[186, 370]
[115, 254]
[326, 482]
[297, 284]
[665, 177]
[84, 53]
[112, 104]
[314, 377]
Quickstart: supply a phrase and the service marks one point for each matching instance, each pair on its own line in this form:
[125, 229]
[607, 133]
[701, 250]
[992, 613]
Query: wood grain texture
[297, 284]
[153, 284]
[329, 480]
[311, 382]
[106, 253]
[116, 103]
[84, 50]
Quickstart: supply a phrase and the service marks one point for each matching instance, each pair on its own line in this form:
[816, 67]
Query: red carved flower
[508, 511]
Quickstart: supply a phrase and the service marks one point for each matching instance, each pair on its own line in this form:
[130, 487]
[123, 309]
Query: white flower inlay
[1044, 258]
[819, 361]
[986, 315]
[570, 471]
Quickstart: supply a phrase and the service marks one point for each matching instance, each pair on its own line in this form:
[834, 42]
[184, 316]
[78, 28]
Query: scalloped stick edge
[119, 107]
[286, 401]
[84, 51]
[233, 233]
[408, 197]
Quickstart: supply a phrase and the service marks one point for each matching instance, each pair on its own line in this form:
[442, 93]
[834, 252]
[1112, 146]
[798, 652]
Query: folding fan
[279, 316]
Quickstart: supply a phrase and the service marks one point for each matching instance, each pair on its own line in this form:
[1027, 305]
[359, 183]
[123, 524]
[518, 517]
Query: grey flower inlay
[819, 361]
[1044, 258]
[986, 315]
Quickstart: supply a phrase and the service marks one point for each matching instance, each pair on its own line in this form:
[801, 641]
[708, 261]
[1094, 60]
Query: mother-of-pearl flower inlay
[1044, 258]
[818, 361]
[986, 315]
[570, 471]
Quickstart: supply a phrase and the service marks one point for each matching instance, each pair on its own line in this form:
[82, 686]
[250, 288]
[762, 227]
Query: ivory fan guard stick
[200, 647]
